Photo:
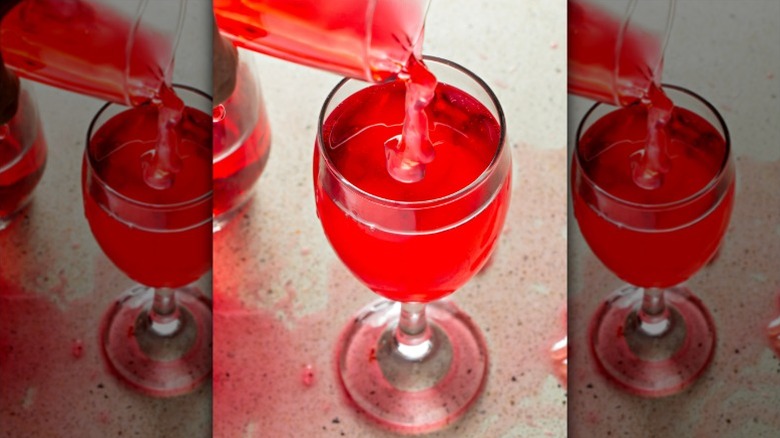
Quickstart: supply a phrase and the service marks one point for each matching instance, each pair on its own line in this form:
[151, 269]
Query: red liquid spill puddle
[272, 365]
[264, 368]
[738, 394]
[44, 372]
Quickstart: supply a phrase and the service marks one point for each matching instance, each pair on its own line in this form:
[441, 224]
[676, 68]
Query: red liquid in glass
[236, 173]
[22, 157]
[140, 229]
[242, 141]
[20, 169]
[81, 47]
[448, 250]
[644, 248]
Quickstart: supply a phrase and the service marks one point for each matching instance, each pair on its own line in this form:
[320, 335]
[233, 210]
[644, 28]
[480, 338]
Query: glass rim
[90, 161]
[724, 166]
[489, 169]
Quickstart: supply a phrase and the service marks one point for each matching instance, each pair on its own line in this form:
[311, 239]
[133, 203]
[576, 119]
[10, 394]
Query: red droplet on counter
[307, 376]
[77, 348]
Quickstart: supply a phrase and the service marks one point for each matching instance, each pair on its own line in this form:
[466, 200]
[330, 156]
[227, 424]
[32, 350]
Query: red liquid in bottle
[242, 141]
[438, 249]
[158, 237]
[654, 243]
[81, 47]
[22, 158]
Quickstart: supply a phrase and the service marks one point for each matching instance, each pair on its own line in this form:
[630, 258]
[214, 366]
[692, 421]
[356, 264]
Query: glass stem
[654, 316]
[413, 334]
[164, 314]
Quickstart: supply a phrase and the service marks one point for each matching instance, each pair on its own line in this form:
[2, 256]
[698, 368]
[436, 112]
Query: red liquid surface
[452, 243]
[22, 158]
[653, 246]
[139, 227]
[81, 47]
[242, 141]
[336, 35]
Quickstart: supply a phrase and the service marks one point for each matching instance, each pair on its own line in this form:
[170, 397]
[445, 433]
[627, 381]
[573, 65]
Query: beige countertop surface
[729, 53]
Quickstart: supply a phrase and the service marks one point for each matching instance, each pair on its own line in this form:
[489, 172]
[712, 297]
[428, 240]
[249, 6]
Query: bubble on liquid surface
[646, 177]
[403, 168]
[155, 176]
[407, 172]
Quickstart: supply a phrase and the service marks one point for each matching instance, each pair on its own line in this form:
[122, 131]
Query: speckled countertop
[56, 284]
[728, 52]
[282, 296]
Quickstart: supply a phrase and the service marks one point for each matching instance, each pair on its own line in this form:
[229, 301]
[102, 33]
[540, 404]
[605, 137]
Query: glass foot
[652, 360]
[412, 396]
[773, 333]
[7, 218]
[221, 220]
[159, 359]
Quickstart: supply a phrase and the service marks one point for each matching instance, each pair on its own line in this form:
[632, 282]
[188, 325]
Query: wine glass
[773, 333]
[22, 156]
[413, 362]
[653, 337]
[242, 142]
[559, 353]
[157, 336]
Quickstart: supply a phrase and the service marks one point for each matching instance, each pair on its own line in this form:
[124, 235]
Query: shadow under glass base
[159, 360]
[652, 364]
[415, 396]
